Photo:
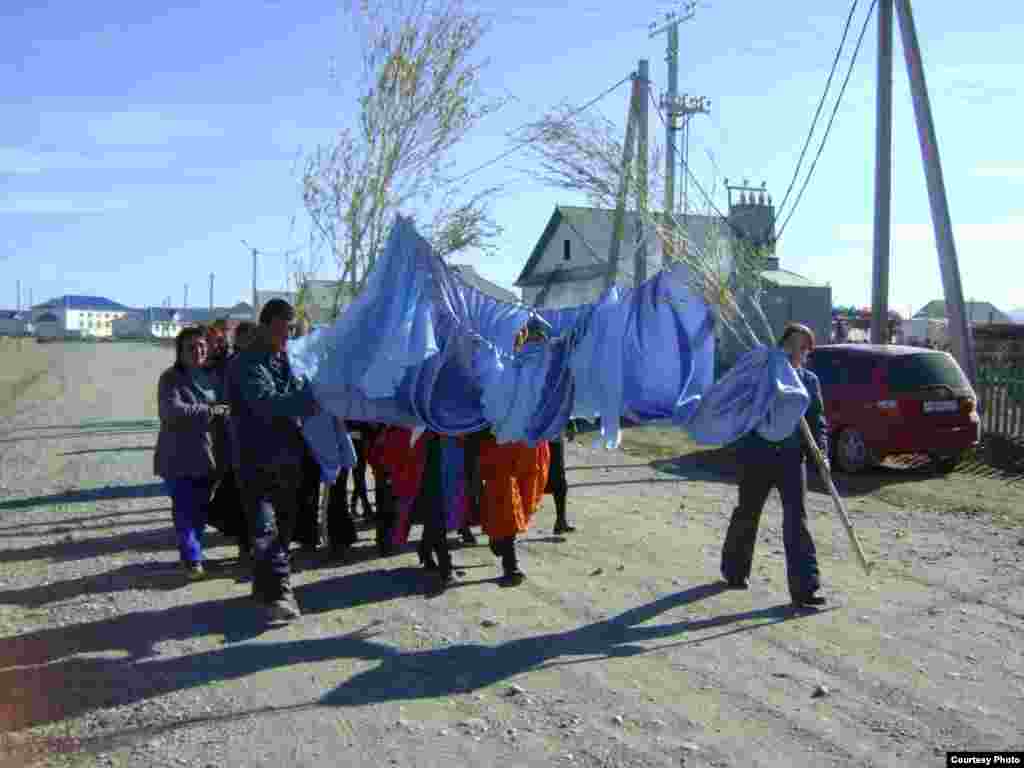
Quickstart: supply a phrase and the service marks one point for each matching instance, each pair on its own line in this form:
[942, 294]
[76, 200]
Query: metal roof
[472, 278]
[978, 312]
[786, 279]
[74, 301]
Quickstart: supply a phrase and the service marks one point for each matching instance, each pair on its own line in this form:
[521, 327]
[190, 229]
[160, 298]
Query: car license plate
[941, 406]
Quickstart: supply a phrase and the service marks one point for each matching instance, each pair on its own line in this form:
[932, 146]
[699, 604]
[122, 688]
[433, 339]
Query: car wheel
[852, 454]
[945, 463]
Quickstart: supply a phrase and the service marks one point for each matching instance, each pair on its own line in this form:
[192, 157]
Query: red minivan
[882, 400]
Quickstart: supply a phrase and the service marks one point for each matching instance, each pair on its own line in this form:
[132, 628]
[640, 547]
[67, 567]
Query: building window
[566, 250]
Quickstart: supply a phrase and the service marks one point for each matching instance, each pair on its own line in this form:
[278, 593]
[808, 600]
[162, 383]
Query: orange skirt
[514, 476]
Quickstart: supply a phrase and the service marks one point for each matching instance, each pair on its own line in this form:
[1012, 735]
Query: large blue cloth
[762, 392]
[421, 348]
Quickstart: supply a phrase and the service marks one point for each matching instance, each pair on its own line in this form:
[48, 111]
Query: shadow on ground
[25, 529]
[108, 493]
[128, 449]
[153, 540]
[55, 684]
[996, 458]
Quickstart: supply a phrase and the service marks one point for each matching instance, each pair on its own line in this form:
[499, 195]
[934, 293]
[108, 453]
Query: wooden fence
[1001, 402]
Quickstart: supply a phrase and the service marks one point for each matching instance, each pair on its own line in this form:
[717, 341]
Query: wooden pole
[620, 205]
[837, 501]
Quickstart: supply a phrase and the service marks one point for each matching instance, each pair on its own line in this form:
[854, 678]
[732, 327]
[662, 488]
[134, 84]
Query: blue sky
[141, 142]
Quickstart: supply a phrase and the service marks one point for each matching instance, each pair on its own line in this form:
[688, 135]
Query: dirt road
[621, 649]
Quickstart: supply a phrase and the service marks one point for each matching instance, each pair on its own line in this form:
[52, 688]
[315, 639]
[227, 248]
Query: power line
[831, 120]
[821, 105]
[523, 143]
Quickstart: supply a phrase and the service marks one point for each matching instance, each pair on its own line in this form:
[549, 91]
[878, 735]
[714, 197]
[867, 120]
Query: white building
[85, 316]
[161, 322]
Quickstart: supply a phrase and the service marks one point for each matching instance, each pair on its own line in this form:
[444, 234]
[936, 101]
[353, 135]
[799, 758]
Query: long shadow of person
[49, 683]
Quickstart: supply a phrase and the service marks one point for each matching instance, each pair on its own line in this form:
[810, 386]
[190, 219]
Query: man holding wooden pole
[764, 465]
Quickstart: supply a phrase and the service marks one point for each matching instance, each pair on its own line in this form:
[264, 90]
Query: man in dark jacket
[765, 465]
[268, 403]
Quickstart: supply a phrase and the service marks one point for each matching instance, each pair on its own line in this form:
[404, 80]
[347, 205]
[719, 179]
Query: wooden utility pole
[640, 258]
[883, 179]
[620, 204]
[963, 343]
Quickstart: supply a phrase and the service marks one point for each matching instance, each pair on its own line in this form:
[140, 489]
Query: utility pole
[211, 293]
[668, 102]
[963, 343]
[686, 107]
[644, 86]
[255, 257]
[883, 179]
[620, 204]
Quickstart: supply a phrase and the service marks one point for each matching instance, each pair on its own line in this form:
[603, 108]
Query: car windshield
[914, 373]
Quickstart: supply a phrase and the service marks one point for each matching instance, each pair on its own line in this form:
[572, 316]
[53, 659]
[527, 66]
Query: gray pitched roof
[978, 312]
[472, 278]
[581, 219]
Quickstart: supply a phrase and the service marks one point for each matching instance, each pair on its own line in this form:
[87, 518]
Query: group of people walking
[232, 454]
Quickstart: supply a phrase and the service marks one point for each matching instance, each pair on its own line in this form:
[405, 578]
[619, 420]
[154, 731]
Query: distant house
[569, 264]
[12, 323]
[978, 312]
[472, 278]
[86, 316]
[167, 322]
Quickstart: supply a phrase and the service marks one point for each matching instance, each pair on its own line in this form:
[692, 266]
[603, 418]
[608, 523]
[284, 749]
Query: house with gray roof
[978, 312]
[569, 264]
[88, 316]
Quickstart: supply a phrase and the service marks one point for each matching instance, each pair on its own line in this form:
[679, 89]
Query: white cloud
[23, 161]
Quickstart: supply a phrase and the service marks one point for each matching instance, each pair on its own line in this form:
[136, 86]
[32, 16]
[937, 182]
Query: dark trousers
[506, 550]
[764, 466]
[273, 494]
[431, 509]
[341, 530]
[359, 491]
[307, 523]
[474, 483]
[385, 516]
[557, 484]
[227, 510]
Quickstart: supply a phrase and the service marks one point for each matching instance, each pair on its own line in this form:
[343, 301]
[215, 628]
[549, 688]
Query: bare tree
[420, 95]
[581, 153]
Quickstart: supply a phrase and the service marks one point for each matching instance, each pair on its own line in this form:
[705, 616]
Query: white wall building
[86, 316]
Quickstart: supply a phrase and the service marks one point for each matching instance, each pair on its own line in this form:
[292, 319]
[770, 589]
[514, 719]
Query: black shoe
[563, 527]
[512, 578]
[467, 538]
[809, 600]
[737, 583]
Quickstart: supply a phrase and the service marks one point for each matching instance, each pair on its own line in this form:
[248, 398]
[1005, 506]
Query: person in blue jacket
[765, 465]
[268, 404]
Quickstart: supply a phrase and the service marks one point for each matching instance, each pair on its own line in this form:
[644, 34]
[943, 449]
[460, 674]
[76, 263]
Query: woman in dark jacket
[191, 427]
